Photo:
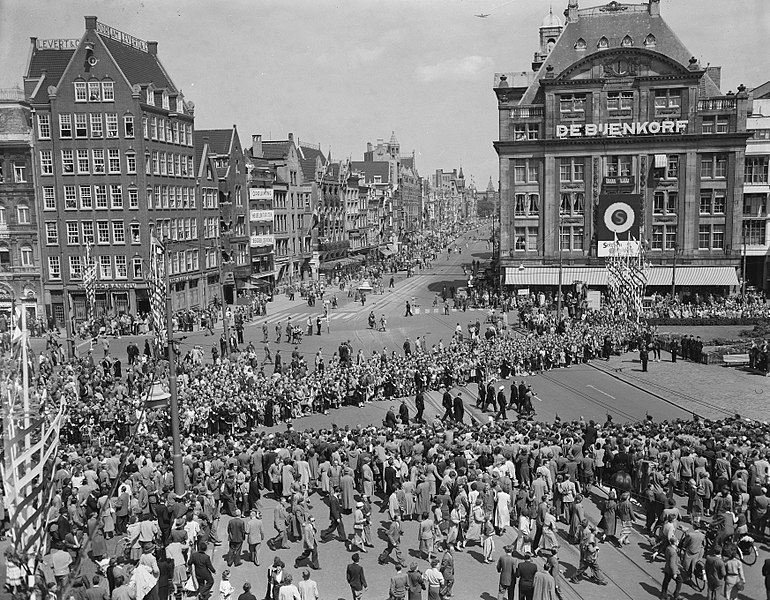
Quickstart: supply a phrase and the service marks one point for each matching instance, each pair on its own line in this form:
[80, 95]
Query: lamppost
[743, 266]
[558, 297]
[677, 251]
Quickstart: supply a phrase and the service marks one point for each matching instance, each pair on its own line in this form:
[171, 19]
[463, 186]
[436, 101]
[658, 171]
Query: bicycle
[747, 550]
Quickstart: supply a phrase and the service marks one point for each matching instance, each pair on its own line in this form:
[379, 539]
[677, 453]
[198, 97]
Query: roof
[138, 66]
[407, 161]
[15, 123]
[762, 91]
[275, 149]
[371, 169]
[54, 63]
[632, 20]
[308, 159]
[551, 20]
[219, 139]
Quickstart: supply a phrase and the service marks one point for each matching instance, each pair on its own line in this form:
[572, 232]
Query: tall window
[116, 196]
[108, 91]
[754, 232]
[526, 131]
[44, 126]
[94, 91]
[136, 268]
[525, 170]
[97, 129]
[105, 267]
[27, 256]
[113, 156]
[97, 154]
[76, 267]
[102, 232]
[73, 233]
[111, 121]
[65, 126]
[133, 198]
[572, 204]
[67, 162]
[118, 232]
[121, 267]
[81, 125]
[81, 95]
[617, 166]
[571, 169]
[84, 165]
[756, 169]
[571, 238]
[713, 166]
[70, 197]
[51, 233]
[712, 202]
[23, 215]
[711, 237]
[86, 201]
[88, 232]
[100, 191]
[672, 167]
[667, 101]
[54, 267]
[128, 126]
[49, 198]
[663, 237]
[715, 124]
[46, 162]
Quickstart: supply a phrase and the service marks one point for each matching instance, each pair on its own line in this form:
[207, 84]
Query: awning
[693, 276]
[550, 276]
[661, 160]
[386, 251]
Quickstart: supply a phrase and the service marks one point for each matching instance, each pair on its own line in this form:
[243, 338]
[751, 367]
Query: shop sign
[255, 241]
[260, 194]
[123, 38]
[578, 130]
[261, 215]
[59, 44]
[115, 286]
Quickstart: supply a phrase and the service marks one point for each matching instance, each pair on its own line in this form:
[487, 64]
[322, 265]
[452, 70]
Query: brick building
[20, 278]
[115, 157]
[617, 111]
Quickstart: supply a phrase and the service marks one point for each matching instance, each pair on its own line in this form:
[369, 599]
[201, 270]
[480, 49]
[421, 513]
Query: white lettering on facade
[57, 44]
[120, 36]
[621, 129]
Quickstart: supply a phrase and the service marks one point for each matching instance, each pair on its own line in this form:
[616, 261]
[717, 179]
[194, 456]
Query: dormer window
[580, 44]
[649, 41]
[627, 42]
[150, 97]
[164, 100]
[603, 43]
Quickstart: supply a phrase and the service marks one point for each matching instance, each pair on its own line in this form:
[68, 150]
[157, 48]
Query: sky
[340, 73]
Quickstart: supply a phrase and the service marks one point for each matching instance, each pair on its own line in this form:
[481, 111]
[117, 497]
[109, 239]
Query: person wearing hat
[502, 403]
[275, 577]
[359, 520]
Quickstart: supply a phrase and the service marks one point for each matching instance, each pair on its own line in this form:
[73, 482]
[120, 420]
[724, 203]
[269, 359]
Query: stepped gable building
[115, 157]
[619, 132]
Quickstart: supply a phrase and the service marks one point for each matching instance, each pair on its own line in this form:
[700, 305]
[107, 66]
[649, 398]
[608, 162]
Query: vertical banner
[158, 289]
[89, 283]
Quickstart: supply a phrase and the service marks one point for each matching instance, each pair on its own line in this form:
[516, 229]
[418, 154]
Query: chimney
[572, 11]
[152, 48]
[368, 146]
[654, 8]
[715, 73]
[256, 145]
[291, 137]
[90, 23]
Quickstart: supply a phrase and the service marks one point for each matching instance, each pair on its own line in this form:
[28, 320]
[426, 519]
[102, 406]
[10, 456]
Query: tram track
[611, 408]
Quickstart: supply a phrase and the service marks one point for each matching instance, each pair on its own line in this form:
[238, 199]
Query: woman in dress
[502, 511]
[608, 523]
[625, 513]
[477, 519]
[576, 518]
[549, 538]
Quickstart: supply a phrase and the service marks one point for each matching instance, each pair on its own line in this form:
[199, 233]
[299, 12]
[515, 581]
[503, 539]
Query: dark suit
[459, 410]
[201, 563]
[335, 516]
[506, 566]
[356, 579]
[236, 533]
[525, 571]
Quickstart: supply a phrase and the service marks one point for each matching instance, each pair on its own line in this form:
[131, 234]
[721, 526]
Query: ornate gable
[623, 63]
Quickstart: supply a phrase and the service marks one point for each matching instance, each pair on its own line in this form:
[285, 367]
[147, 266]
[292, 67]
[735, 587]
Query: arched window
[603, 43]
[580, 44]
[627, 42]
[22, 214]
[3, 220]
[649, 41]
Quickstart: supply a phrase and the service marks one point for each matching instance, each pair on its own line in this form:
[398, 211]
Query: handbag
[191, 585]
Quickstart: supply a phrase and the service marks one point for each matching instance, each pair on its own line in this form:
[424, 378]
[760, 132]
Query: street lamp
[677, 251]
[558, 298]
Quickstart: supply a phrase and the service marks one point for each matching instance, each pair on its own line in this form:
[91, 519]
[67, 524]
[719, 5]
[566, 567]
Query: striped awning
[599, 276]
[693, 276]
[595, 276]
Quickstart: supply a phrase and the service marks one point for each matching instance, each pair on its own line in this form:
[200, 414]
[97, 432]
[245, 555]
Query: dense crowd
[702, 484]
[751, 306]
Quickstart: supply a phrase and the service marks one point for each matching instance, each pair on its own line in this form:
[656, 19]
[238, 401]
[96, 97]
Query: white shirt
[289, 592]
[308, 589]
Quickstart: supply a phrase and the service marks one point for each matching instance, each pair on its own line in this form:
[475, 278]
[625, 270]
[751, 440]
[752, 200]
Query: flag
[158, 290]
[89, 282]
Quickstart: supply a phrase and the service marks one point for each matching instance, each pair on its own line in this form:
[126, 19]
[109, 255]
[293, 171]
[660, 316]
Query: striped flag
[158, 289]
[89, 282]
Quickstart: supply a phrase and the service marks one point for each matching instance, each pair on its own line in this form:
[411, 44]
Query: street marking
[602, 392]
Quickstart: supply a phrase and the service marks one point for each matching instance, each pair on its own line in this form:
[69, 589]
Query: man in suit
[502, 402]
[419, 403]
[395, 532]
[525, 573]
[309, 545]
[236, 533]
[204, 570]
[459, 409]
[403, 413]
[446, 402]
[355, 577]
[281, 524]
[390, 419]
[644, 356]
[506, 566]
[335, 516]
[255, 535]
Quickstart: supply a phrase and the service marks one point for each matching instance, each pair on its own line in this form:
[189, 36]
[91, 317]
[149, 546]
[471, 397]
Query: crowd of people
[752, 305]
[702, 484]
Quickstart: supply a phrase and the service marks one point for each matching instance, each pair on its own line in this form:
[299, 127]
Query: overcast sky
[341, 73]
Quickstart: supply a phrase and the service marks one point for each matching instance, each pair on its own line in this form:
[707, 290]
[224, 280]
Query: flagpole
[173, 403]
[25, 371]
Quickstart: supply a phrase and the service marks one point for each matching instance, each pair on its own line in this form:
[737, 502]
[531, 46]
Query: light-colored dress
[502, 510]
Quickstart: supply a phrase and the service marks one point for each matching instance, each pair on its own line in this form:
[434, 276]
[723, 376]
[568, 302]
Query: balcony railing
[724, 103]
[527, 112]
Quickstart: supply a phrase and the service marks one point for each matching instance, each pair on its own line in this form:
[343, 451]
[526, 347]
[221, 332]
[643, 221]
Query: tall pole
[673, 272]
[173, 402]
[743, 267]
[558, 297]
[225, 324]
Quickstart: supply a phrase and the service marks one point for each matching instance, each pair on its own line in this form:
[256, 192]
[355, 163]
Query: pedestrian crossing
[339, 315]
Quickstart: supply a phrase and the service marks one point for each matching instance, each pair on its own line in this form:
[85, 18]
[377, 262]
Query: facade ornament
[613, 7]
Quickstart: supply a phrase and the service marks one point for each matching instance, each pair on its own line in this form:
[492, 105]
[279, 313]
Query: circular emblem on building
[619, 217]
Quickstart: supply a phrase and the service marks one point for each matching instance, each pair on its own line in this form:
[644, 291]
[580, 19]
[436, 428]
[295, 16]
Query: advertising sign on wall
[261, 215]
[618, 218]
[260, 194]
[256, 241]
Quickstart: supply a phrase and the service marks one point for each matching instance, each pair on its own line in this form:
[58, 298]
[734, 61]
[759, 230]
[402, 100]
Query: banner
[617, 224]
[89, 283]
